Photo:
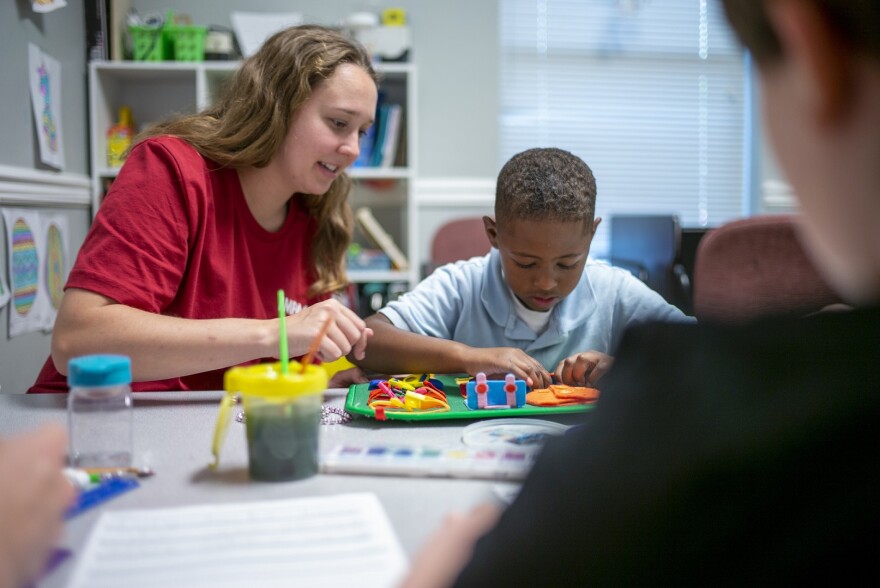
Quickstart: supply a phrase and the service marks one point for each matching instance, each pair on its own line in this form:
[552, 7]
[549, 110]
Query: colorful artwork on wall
[24, 266]
[38, 257]
[45, 85]
[56, 264]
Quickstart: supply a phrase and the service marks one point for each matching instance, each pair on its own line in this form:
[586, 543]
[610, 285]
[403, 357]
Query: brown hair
[855, 22]
[249, 121]
[545, 184]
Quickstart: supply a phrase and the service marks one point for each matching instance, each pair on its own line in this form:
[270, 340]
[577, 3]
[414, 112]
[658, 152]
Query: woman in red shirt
[213, 213]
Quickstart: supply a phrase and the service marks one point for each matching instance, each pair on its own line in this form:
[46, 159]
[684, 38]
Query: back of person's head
[545, 184]
[855, 21]
[819, 65]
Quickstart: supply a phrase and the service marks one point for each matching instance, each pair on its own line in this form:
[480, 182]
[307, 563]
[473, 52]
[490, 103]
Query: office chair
[756, 267]
[458, 239]
[648, 246]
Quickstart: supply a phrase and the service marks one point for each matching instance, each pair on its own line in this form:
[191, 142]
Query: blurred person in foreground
[34, 495]
[733, 455]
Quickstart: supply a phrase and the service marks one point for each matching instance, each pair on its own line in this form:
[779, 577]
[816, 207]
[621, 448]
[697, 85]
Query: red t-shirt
[175, 236]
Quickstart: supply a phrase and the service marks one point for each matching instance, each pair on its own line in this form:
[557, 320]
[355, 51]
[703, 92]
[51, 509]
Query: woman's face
[324, 135]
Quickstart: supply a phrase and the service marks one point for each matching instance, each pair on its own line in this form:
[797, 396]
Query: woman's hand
[347, 332]
[34, 496]
[583, 369]
[496, 362]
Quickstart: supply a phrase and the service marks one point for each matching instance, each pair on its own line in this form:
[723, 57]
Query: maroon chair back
[756, 267]
[459, 239]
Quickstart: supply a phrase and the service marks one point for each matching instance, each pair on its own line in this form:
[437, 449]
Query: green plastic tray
[358, 394]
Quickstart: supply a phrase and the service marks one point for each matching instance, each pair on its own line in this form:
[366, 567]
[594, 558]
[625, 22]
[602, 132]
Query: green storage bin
[149, 43]
[187, 42]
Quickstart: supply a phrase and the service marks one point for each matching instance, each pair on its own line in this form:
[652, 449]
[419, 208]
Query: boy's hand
[583, 369]
[496, 362]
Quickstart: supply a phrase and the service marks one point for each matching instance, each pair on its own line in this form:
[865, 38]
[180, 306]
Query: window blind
[650, 93]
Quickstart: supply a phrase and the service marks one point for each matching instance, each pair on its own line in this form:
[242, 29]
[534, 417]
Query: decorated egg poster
[56, 261]
[29, 308]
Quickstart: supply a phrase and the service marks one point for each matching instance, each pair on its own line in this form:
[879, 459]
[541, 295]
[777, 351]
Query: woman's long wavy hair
[247, 126]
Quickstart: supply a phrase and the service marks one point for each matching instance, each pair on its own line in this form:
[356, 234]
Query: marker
[105, 490]
[81, 479]
[85, 478]
[145, 472]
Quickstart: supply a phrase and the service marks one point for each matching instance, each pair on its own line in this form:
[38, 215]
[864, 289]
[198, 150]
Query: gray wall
[22, 357]
[60, 34]
[455, 47]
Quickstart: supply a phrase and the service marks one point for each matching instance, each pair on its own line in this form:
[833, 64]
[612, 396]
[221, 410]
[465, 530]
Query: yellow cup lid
[265, 380]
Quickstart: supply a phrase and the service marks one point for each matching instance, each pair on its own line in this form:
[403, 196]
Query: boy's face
[543, 260]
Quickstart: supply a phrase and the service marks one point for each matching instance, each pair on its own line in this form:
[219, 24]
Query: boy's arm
[395, 351]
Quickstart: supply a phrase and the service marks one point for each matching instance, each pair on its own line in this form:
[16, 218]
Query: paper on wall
[25, 245]
[45, 85]
[43, 6]
[56, 261]
[4, 291]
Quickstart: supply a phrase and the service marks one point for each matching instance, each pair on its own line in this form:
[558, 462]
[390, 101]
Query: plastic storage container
[99, 409]
[169, 42]
[149, 43]
[187, 42]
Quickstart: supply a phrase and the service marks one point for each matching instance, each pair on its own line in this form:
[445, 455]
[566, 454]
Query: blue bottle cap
[99, 370]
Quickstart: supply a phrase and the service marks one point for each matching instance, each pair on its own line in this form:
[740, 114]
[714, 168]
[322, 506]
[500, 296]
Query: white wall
[59, 34]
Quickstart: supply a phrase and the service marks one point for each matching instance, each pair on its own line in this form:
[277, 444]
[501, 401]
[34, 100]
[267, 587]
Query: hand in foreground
[34, 495]
[496, 362]
[446, 553]
[347, 333]
[583, 369]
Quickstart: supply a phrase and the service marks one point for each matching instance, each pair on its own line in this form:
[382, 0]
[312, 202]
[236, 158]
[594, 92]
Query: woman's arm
[166, 347]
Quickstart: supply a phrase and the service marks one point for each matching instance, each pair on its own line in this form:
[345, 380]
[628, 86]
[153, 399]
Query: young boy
[531, 305]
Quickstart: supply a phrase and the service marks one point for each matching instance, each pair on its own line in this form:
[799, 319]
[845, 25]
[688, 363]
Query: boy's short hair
[545, 184]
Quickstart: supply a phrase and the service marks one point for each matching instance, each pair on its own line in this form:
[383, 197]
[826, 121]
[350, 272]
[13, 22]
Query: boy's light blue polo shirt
[469, 302]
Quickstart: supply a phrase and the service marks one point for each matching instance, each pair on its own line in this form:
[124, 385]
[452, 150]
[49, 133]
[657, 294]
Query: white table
[173, 433]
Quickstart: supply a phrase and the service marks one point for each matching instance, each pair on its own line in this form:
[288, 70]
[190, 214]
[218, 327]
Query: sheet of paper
[252, 28]
[341, 540]
[45, 83]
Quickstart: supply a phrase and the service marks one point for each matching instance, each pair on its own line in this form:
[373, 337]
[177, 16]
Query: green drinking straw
[282, 334]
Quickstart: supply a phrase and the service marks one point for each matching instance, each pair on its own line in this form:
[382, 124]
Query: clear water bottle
[99, 410]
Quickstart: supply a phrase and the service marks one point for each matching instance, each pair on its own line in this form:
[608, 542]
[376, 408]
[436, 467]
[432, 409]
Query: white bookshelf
[156, 90]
